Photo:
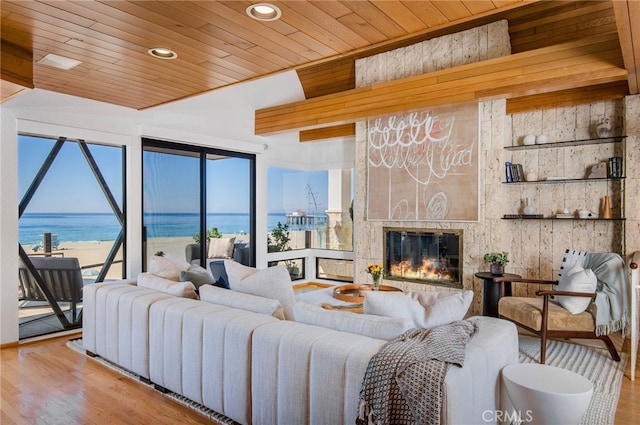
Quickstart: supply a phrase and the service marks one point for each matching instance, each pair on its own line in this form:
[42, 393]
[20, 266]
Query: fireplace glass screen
[424, 256]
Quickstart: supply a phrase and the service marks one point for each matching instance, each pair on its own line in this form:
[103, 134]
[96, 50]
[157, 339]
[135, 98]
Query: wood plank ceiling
[219, 45]
[217, 42]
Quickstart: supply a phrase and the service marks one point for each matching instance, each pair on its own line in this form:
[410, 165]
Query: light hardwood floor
[46, 382]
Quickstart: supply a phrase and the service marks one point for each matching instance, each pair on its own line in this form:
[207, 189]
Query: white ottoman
[547, 395]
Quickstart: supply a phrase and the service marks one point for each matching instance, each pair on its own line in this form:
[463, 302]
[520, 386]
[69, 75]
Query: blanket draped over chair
[612, 301]
[404, 381]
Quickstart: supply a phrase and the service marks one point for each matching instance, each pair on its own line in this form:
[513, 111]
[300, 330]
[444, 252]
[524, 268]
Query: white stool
[544, 394]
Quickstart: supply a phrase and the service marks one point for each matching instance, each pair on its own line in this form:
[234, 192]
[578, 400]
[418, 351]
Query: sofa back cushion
[372, 326]
[424, 309]
[197, 275]
[179, 289]
[215, 295]
[272, 282]
[221, 247]
[167, 267]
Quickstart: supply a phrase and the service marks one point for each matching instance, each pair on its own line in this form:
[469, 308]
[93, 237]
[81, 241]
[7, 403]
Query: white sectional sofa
[257, 369]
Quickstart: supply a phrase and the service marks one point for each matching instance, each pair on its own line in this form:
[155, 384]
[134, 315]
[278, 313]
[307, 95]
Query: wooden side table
[492, 292]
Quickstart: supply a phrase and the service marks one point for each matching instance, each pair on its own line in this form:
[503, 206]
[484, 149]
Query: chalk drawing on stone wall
[424, 165]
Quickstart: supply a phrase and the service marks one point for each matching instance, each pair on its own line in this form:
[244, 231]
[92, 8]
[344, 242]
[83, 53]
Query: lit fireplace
[431, 256]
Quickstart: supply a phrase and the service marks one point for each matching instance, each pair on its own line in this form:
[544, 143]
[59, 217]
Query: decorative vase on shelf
[603, 128]
[606, 208]
[528, 207]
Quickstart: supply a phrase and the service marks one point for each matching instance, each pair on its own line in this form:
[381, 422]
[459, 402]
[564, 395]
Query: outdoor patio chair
[62, 277]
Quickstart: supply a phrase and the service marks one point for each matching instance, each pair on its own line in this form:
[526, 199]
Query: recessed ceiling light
[264, 12]
[162, 53]
[59, 62]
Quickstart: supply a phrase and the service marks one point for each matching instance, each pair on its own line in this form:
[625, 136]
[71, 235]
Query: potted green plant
[497, 260]
[211, 233]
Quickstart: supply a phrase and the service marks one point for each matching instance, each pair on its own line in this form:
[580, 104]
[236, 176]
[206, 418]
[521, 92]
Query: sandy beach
[92, 255]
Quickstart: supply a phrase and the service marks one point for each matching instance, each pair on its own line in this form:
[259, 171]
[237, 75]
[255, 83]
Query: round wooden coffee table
[355, 292]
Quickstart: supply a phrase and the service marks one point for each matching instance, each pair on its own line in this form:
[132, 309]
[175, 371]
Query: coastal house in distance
[302, 90]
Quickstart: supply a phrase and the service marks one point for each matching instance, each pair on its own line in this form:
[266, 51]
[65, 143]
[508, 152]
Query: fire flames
[429, 270]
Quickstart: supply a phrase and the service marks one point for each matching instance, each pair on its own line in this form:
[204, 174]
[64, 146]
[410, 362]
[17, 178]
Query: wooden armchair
[548, 319]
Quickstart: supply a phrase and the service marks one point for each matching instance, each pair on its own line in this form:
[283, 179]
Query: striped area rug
[595, 364]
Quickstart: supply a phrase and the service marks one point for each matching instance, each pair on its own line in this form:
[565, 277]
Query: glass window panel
[229, 202]
[68, 217]
[334, 269]
[295, 266]
[171, 201]
[309, 209]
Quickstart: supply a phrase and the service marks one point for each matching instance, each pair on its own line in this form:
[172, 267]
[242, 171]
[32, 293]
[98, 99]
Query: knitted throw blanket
[404, 381]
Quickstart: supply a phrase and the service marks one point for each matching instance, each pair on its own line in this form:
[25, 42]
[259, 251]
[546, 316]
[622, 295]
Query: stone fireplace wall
[535, 246]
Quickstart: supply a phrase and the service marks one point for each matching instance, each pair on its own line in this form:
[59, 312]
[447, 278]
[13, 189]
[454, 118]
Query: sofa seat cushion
[215, 295]
[528, 311]
[362, 324]
[272, 282]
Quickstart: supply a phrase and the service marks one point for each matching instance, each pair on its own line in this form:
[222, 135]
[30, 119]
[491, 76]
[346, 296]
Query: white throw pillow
[272, 282]
[179, 289]
[362, 324]
[221, 247]
[425, 309]
[167, 267]
[577, 279]
[215, 295]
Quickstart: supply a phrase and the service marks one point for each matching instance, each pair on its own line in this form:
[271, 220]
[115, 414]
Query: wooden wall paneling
[575, 64]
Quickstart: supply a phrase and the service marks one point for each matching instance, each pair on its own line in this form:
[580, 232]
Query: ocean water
[82, 227]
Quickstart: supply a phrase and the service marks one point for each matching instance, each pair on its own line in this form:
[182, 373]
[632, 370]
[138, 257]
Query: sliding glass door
[194, 194]
[71, 228]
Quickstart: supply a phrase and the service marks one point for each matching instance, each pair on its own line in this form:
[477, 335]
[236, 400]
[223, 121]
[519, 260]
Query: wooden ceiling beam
[325, 133]
[569, 97]
[16, 64]
[627, 12]
[582, 63]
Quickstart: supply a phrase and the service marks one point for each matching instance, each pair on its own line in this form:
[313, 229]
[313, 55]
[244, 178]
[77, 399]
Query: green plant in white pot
[497, 260]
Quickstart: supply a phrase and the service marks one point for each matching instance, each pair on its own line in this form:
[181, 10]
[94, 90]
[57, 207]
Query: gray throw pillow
[197, 275]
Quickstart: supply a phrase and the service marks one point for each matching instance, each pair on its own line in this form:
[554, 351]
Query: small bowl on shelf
[541, 139]
[529, 139]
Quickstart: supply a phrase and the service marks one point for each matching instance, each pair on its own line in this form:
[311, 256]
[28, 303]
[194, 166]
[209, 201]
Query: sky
[70, 186]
